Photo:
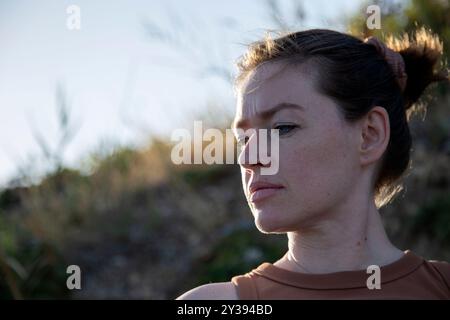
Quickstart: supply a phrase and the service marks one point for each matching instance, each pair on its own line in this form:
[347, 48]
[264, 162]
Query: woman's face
[318, 154]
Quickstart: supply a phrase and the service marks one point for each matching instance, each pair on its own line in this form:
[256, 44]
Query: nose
[250, 154]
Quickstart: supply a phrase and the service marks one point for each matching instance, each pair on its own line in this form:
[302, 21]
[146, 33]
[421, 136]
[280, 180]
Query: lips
[260, 190]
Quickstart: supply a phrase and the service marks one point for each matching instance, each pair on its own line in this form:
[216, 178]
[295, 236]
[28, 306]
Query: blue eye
[242, 140]
[285, 128]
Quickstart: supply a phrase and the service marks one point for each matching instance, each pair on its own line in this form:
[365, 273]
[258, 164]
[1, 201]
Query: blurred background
[86, 118]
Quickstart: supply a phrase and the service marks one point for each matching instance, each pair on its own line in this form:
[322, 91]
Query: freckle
[365, 238]
[358, 244]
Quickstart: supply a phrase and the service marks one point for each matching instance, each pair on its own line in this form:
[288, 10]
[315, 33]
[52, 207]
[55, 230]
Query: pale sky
[122, 85]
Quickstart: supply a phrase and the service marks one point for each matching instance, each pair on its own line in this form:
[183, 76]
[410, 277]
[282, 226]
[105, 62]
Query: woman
[340, 105]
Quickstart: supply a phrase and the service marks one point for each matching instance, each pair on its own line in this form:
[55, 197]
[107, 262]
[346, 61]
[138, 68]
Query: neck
[353, 241]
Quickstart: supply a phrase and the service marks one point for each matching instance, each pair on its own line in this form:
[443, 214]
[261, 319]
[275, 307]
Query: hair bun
[394, 59]
[421, 53]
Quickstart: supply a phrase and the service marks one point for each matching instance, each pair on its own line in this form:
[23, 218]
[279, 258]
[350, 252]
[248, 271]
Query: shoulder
[443, 268]
[212, 291]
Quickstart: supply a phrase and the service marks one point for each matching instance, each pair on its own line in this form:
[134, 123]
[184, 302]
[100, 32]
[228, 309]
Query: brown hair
[359, 78]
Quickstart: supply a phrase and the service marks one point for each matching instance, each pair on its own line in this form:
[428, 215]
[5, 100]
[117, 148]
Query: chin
[278, 220]
[270, 223]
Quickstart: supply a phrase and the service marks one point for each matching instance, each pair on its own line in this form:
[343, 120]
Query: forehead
[272, 84]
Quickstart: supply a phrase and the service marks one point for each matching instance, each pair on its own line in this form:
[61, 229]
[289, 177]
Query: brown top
[410, 277]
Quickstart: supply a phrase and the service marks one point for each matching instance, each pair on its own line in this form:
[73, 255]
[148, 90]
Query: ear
[375, 133]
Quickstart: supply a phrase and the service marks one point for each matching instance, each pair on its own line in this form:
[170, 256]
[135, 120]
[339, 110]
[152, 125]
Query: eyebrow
[267, 114]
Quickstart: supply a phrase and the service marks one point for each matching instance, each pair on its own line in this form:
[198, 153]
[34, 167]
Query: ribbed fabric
[410, 277]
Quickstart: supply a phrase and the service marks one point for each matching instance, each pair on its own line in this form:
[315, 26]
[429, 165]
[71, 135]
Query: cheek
[319, 168]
